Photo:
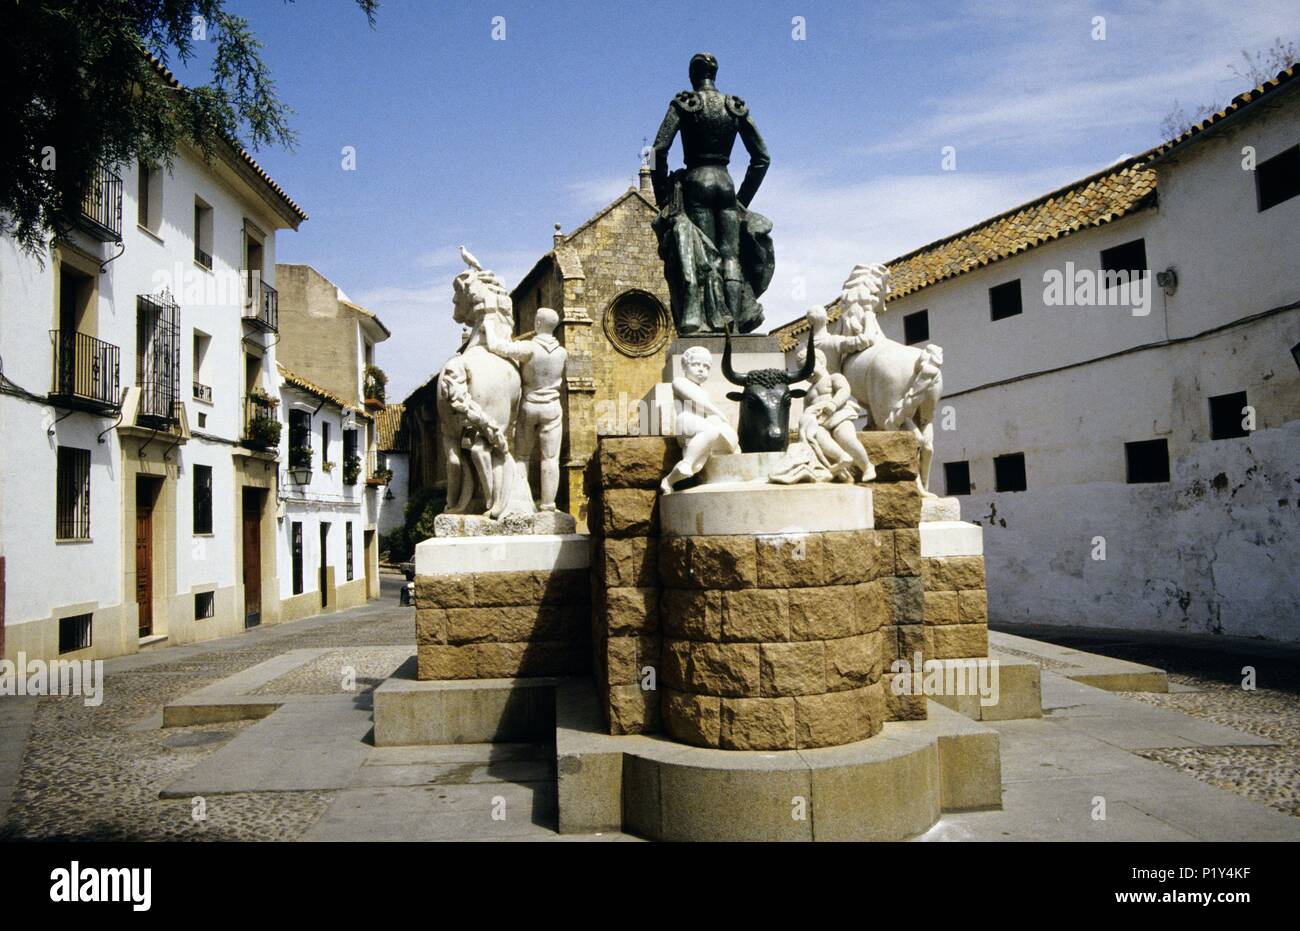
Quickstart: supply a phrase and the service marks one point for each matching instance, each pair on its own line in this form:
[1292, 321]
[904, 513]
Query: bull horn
[809, 363]
[727, 371]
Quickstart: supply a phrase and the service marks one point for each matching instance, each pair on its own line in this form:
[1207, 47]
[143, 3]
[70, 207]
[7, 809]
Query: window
[254, 260]
[73, 494]
[916, 327]
[158, 357]
[202, 499]
[324, 443]
[299, 440]
[148, 197]
[205, 605]
[295, 544]
[74, 633]
[1125, 262]
[1147, 461]
[1009, 472]
[956, 478]
[202, 234]
[1278, 178]
[1004, 300]
[1228, 415]
[349, 546]
[202, 391]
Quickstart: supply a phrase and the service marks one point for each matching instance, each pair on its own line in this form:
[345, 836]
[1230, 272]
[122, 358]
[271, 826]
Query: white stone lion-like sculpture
[478, 400]
[899, 385]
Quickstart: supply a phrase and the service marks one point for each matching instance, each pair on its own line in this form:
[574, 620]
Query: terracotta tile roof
[171, 79]
[1282, 82]
[303, 384]
[1098, 199]
[1093, 201]
[388, 425]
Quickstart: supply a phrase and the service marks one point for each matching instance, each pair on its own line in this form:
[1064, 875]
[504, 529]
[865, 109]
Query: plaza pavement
[307, 770]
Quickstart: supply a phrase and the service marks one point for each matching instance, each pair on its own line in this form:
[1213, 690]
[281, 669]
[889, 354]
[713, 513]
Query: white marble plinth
[740, 467]
[525, 553]
[742, 507]
[951, 538]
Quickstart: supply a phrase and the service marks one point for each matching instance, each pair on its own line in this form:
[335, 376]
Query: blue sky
[460, 138]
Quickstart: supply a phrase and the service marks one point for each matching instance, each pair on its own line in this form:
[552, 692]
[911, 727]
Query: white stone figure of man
[702, 427]
[541, 361]
[834, 345]
[827, 423]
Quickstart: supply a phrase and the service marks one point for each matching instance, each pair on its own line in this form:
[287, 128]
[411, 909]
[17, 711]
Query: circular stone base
[740, 467]
[761, 508]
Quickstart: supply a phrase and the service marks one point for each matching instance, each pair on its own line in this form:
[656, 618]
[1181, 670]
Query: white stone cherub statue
[835, 346]
[826, 424]
[702, 427]
[541, 361]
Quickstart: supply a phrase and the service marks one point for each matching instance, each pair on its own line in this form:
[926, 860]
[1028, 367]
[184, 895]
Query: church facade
[605, 279]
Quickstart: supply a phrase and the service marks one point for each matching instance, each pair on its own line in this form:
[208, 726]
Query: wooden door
[253, 499]
[146, 493]
[324, 564]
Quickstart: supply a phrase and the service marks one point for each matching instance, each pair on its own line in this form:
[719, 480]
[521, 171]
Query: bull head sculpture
[765, 401]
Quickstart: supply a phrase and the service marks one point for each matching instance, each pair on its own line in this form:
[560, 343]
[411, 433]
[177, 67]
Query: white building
[1134, 466]
[325, 543]
[134, 513]
[394, 461]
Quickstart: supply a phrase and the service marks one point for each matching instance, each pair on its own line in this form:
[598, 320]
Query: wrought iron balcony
[157, 366]
[101, 208]
[203, 258]
[261, 426]
[203, 392]
[86, 372]
[262, 310]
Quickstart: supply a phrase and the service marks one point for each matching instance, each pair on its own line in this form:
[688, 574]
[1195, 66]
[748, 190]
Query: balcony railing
[261, 426]
[157, 365]
[203, 392]
[263, 309]
[86, 372]
[101, 208]
[203, 258]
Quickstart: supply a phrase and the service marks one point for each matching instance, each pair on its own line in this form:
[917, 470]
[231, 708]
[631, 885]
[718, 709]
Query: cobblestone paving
[366, 666]
[95, 773]
[1265, 774]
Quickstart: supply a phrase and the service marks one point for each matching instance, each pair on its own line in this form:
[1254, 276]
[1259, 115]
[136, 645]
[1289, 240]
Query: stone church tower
[606, 281]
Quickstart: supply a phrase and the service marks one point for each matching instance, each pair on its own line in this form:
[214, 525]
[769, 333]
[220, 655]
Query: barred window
[205, 605]
[72, 484]
[202, 499]
[349, 535]
[74, 632]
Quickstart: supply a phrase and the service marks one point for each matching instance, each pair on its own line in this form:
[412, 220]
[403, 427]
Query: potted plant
[376, 383]
[327, 467]
[264, 431]
[351, 469]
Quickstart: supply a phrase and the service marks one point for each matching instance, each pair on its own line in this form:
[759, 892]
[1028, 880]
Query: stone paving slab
[1055, 768]
[437, 813]
[1103, 672]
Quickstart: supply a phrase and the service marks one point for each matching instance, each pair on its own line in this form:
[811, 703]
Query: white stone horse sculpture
[478, 399]
[899, 385]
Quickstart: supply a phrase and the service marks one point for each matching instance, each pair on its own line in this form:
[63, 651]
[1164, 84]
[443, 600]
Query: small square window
[1227, 416]
[1009, 472]
[205, 605]
[1278, 179]
[1147, 461]
[1123, 263]
[1004, 300]
[74, 633]
[956, 478]
[916, 327]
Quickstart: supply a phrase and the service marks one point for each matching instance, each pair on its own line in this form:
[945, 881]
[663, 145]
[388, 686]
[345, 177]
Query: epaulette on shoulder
[688, 101]
[736, 106]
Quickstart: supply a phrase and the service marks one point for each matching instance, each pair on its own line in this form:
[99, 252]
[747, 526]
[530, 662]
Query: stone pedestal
[496, 607]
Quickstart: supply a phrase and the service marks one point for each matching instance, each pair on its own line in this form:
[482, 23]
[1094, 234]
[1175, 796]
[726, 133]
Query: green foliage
[264, 431]
[351, 469]
[421, 509]
[376, 382]
[80, 91]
